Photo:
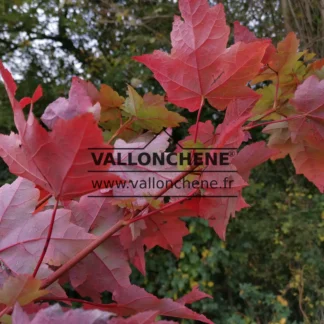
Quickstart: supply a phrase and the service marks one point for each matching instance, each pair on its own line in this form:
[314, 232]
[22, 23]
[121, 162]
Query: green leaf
[150, 112]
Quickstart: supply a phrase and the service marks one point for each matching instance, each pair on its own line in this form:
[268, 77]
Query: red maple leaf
[57, 161]
[309, 102]
[134, 299]
[199, 66]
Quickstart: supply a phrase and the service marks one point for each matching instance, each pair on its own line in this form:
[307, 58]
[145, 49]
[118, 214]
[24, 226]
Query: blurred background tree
[270, 270]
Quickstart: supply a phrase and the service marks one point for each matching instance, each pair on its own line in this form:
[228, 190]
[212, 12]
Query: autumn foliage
[53, 231]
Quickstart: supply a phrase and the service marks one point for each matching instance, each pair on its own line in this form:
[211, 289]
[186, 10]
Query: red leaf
[199, 51]
[309, 102]
[134, 249]
[166, 230]
[220, 203]
[106, 268]
[91, 213]
[135, 192]
[55, 315]
[11, 89]
[140, 318]
[36, 96]
[240, 108]
[243, 34]
[135, 299]
[206, 134]
[83, 98]
[58, 161]
[251, 156]
[24, 234]
[309, 162]
[193, 296]
[18, 201]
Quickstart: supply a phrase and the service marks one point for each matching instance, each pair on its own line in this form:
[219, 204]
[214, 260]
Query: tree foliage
[55, 233]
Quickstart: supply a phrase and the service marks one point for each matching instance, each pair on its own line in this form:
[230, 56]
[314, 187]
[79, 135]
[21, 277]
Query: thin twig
[41, 202]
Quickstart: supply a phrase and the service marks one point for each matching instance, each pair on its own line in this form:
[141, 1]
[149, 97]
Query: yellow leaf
[282, 301]
[210, 284]
[22, 288]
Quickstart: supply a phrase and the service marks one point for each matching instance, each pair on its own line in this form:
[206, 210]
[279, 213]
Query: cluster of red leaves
[52, 232]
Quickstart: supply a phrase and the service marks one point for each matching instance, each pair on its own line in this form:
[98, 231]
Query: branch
[114, 229]
[121, 129]
[82, 254]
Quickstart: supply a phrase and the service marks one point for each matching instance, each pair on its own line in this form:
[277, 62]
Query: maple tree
[54, 232]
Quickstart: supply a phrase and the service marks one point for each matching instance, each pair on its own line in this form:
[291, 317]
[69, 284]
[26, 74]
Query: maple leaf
[251, 156]
[105, 269]
[280, 138]
[218, 205]
[36, 96]
[266, 102]
[309, 102]
[139, 174]
[150, 112]
[83, 97]
[240, 109]
[110, 102]
[166, 230]
[140, 318]
[199, 66]
[22, 288]
[18, 201]
[309, 162]
[25, 234]
[193, 296]
[316, 68]
[206, 135]
[109, 99]
[55, 315]
[224, 198]
[21, 248]
[92, 213]
[243, 34]
[283, 62]
[134, 247]
[133, 300]
[307, 159]
[57, 161]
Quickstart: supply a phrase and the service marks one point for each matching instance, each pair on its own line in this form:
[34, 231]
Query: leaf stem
[5, 311]
[65, 299]
[275, 103]
[248, 127]
[121, 129]
[198, 118]
[133, 220]
[41, 202]
[48, 239]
